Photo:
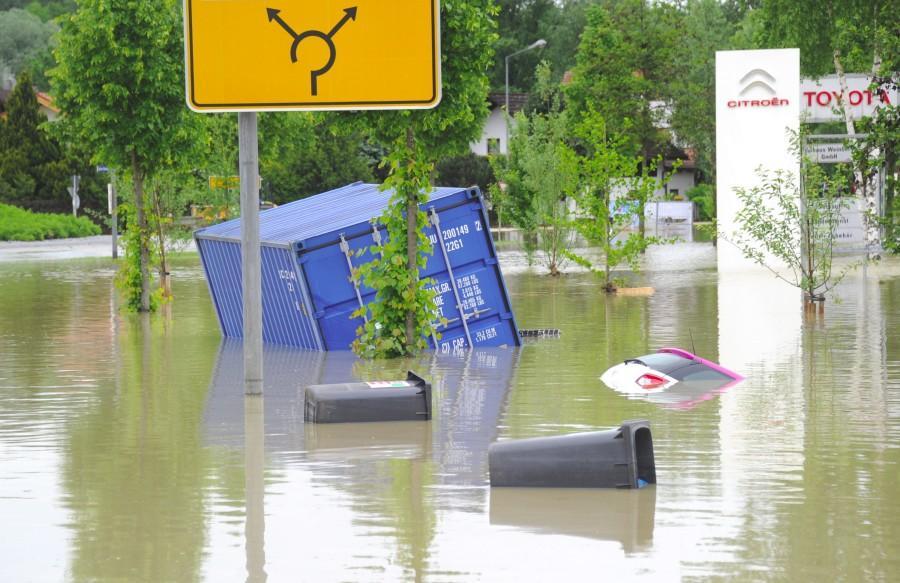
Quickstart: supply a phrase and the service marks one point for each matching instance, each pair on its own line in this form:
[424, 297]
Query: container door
[469, 288]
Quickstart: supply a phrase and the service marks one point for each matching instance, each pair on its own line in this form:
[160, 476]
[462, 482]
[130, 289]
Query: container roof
[319, 214]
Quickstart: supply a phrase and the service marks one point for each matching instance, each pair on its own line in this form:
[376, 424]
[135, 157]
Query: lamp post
[535, 45]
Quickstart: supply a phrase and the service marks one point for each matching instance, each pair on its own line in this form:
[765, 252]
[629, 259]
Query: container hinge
[459, 306]
[345, 248]
[376, 235]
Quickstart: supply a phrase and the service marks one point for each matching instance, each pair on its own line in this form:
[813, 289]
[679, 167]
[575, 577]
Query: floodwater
[128, 453]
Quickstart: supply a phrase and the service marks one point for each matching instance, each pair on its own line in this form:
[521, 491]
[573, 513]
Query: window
[493, 146]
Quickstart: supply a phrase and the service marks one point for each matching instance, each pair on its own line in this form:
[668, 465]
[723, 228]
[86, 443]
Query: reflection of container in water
[310, 248]
[627, 517]
[359, 441]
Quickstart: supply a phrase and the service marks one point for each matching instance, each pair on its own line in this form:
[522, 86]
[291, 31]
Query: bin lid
[318, 214]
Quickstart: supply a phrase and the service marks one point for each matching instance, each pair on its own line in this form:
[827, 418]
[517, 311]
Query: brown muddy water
[127, 452]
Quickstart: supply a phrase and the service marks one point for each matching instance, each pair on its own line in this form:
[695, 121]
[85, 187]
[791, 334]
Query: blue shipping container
[309, 246]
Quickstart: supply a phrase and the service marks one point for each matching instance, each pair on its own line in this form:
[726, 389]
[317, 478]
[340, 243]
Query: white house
[493, 136]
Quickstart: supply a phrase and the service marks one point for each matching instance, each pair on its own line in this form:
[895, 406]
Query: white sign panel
[757, 107]
[821, 99]
[833, 153]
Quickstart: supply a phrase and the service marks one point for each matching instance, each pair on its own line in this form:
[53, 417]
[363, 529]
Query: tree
[33, 169]
[417, 139]
[706, 30]
[623, 65]
[837, 35]
[611, 195]
[539, 174]
[120, 82]
[794, 224]
[302, 155]
[23, 38]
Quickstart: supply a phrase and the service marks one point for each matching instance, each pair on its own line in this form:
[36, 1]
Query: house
[44, 100]
[494, 136]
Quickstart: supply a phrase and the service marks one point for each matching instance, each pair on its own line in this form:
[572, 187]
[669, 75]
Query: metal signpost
[302, 56]
[73, 192]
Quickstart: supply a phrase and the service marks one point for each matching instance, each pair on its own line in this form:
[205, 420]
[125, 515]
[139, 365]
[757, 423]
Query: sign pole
[114, 213]
[250, 253]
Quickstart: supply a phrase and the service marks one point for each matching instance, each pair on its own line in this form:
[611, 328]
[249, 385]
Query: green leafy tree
[23, 39]
[624, 65]
[538, 174]
[706, 30]
[791, 221]
[120, 82]
[417, 139]
[303, 154]
[838, 36]
[610, 197]
[33, 169]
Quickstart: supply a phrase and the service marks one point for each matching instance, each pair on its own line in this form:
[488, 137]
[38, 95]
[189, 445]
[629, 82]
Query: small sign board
[828, 153]
[256, 55]
[224, 182]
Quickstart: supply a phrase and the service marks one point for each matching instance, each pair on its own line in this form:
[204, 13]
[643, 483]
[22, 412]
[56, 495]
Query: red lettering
[823, 94]
[838, 97]
[809, 97]
[856, 97]
[732, 104]
[754, 103]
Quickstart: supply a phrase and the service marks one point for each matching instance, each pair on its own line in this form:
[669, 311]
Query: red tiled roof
[517, 101]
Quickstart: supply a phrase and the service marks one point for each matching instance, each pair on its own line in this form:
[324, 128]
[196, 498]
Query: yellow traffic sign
[224, 182]
[261, 55]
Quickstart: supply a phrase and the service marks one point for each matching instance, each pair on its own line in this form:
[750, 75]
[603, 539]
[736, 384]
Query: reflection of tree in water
[846, 518]
[135, 471]
[413, 515]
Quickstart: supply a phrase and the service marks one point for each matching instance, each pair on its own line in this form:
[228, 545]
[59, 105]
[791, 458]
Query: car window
[698, 372]
[664, 362]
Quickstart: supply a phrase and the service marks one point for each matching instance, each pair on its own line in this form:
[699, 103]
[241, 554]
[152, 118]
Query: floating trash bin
[619, 458]
[408, 400]
[309, 248]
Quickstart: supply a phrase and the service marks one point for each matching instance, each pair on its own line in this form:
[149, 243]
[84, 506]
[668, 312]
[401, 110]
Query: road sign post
[250, 252]
[114, 214]
[373, 56]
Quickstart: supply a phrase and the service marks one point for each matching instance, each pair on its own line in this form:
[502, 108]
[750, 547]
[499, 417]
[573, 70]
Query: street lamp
[535, 45]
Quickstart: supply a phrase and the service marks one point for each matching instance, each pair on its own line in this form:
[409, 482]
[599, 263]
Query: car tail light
[650, 381]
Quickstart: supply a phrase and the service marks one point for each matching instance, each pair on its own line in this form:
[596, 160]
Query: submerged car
[658, 373]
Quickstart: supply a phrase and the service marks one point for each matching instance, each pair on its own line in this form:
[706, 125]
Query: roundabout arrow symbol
[349, 14]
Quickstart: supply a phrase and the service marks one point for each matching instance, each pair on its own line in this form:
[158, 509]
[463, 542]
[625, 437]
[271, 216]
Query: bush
[466, 170]
[20, 225]
[704, 196]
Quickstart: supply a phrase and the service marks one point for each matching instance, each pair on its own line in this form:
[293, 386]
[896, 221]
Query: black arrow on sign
[273, 15]
[349, 14]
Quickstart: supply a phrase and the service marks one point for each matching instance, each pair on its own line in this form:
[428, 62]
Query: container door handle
[345, 247]
[463, 316]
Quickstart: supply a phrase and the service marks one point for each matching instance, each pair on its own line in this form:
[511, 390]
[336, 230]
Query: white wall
[494, 127]
[683, 181]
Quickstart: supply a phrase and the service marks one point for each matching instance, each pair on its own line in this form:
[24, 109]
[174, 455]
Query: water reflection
[623, 516]
[134, 470]
[392, 475]
[254, 487]
[126, 453]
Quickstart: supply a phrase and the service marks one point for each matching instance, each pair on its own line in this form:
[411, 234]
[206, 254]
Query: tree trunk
[412, 215]
[890, 169]
[873, 236]
[163, 263]
[138, 181]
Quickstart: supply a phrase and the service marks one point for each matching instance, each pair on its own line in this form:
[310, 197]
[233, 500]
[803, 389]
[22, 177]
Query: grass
[21, 225]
